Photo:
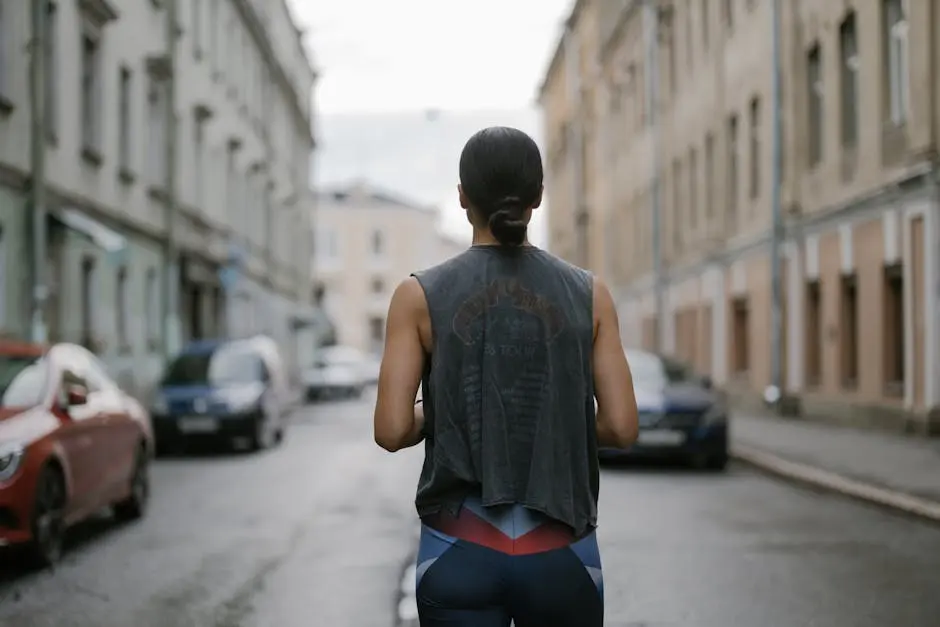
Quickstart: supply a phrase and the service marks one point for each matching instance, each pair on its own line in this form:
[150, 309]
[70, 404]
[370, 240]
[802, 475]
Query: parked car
[682, 415]
[223, 390]
[71, 443]
[338, 372]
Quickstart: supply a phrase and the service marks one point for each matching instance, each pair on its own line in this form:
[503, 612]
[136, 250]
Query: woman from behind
[510, 346]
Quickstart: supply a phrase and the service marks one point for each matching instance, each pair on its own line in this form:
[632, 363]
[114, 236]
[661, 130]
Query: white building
[368, 241]
[244, 142]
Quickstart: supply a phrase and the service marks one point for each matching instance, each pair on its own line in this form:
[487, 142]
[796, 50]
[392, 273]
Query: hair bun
[507, 223]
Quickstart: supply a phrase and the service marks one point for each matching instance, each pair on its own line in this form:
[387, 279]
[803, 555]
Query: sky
[384, 64]
[380, 56]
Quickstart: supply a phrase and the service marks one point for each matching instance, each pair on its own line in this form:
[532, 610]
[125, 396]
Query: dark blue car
[682, 416]
[223, 390]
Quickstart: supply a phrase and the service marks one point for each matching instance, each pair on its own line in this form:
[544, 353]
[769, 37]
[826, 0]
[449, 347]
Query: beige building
[367, 241]
[859, 191]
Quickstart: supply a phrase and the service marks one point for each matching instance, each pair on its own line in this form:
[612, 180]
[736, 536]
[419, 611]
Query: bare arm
[617, 419]
[398, 422]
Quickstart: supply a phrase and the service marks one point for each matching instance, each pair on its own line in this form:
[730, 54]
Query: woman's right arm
[617, 418]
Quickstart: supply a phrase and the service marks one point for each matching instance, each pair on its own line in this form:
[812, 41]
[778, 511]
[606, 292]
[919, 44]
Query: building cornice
[551, 71]
[259, 33]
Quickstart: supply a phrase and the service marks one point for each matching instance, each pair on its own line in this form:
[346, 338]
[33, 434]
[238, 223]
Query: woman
[511, 346]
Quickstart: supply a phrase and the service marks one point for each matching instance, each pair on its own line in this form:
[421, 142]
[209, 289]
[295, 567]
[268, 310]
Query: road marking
[408, 606]
[805, 473]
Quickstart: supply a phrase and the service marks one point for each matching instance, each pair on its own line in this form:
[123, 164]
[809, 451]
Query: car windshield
[651, 370]
[224, 366]
[22, 381]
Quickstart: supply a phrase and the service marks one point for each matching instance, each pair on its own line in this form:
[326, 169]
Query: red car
[71, 443]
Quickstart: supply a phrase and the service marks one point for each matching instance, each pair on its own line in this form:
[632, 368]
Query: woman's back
[508, 394]
[511, 347]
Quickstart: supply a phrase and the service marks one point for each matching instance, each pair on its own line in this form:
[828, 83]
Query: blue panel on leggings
[587, 551]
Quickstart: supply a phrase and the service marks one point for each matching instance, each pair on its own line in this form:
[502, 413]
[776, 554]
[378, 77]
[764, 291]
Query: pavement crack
[240, 604]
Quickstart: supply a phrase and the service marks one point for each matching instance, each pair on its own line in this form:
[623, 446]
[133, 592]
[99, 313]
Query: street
[319, 531]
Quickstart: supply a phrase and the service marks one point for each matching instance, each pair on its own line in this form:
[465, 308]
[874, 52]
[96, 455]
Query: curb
[407, 614]
[810, 475]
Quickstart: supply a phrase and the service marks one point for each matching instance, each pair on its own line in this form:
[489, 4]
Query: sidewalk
[888, 469]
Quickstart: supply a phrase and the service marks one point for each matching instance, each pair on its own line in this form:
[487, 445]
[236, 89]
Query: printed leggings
[496, 566]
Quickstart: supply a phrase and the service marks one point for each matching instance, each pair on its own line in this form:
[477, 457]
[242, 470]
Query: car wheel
[717, 462]
[135, 506]
[261, 437]
[48, 521]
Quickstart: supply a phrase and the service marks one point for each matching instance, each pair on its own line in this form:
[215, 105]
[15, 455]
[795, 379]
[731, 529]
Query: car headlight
[160, 406]
[239, 400]
[11, 457]
[716, 414]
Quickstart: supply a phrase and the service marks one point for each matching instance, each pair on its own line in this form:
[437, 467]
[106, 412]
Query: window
[332, 245]
[234, 198]
[897, 60]
[733, 164]
[152, 307]
[91, 89]
[689, 37]
[728, 13]
[3, 278]
[124, 120]
[87, 303]
[848, 341]
[4, 55]
[199, 163]
[378, 286]
[214, 33]
[755, 147]
[156, 123]
[120, 308]
[894, 330]
[378, 243]
[196, 8]
[741, 350]
[814, 338]
[704, 17]
[376, 333]
[693, 189]
[709, 176]
[815, 109]
[677, 203]
[848, 87]
[51, 71]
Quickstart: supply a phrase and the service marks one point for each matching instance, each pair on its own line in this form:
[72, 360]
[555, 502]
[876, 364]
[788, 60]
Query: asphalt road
[310, 534]
[316, 534]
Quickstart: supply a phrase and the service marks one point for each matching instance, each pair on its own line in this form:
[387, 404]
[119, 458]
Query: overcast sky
[478, 62]
[377, 55]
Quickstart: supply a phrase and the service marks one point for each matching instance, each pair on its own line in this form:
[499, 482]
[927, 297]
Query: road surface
[318, 533]
[313, 533]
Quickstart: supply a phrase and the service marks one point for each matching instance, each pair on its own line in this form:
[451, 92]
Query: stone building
[243, 85]
[368, 241]
[859, 191]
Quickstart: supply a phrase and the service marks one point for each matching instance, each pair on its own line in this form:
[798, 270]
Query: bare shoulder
[409, 297]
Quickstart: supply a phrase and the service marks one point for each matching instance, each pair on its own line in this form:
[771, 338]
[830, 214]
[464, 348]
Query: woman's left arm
[398, 421]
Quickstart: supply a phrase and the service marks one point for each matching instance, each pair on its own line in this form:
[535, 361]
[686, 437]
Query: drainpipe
[171, 254]
[37, 83]
[777, 229]
[651, 33]
[576, 143]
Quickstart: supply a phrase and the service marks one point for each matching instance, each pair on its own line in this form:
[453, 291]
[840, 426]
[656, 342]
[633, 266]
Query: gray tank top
[509, 388]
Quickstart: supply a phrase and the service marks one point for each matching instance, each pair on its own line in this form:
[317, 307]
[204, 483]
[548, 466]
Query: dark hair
[501, 175]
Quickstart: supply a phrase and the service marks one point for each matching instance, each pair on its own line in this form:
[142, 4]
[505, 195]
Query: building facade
[243, 145]
[368, 241]
[858, 192]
